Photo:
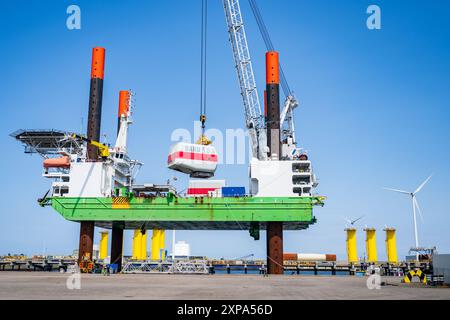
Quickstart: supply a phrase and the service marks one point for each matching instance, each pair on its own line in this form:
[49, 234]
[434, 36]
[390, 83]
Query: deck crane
[254, 119]
[261, 181]
[287, 127]
[103, 150]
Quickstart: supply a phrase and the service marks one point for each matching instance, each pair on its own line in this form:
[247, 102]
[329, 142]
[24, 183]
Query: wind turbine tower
[416, 208]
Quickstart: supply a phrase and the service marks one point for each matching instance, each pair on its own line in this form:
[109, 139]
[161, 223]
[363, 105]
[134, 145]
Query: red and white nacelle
[199, 161]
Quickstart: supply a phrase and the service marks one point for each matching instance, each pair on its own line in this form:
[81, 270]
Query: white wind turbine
[415, 206]
[352, 221]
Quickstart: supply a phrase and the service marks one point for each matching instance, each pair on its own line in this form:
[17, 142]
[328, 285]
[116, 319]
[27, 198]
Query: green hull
[200, 213]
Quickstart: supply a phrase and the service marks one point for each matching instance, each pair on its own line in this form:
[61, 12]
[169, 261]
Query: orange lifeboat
[61, 162]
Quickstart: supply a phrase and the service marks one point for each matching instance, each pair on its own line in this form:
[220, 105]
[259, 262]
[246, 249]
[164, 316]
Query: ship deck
[190, 213]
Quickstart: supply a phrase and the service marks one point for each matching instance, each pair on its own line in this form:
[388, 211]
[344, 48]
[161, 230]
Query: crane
[287, 128]
[245, 258]
[261, 181]
[103, 150]
[254, 119]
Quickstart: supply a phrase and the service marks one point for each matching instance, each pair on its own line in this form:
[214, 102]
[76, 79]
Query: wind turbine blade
[418, 209]
[353, 222]
[346, 219]
[423, 183]
[397, 190]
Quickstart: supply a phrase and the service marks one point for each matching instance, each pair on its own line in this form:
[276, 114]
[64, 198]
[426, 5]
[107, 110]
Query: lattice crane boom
[287, 116]
[254, 118]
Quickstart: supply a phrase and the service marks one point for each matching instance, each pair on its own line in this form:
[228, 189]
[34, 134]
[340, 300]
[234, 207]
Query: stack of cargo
[233, 191]
[205, 188]
[307, 257]
[290, 256]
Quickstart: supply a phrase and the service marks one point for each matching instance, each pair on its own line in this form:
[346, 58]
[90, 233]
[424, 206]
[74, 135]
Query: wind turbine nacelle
[196, 160]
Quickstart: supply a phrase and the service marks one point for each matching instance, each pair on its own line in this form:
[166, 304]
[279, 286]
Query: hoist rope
[203, 55]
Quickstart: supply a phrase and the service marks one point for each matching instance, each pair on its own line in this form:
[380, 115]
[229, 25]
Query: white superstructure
[182, 249]
[286, 178]
[112, 176]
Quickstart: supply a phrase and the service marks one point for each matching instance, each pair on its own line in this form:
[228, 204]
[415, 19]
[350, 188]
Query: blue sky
[374, 108]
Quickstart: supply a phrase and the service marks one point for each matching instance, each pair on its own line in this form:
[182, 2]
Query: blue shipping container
[233, 191]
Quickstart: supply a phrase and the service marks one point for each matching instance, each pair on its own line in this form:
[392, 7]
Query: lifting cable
[204, 24]
[269, 44]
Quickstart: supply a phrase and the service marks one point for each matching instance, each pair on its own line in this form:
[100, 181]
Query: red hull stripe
[192, 156]
[203, 191]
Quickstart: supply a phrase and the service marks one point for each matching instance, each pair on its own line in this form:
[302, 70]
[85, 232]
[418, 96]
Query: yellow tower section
[371, 245]
[103, 244]
[137, 243]
[391, 245]
[352, 253]
[158, 244]
[155, 244]
[143, 252]
[162, 244]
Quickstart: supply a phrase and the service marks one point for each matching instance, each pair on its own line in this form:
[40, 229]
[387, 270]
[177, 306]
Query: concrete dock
[52, 285]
